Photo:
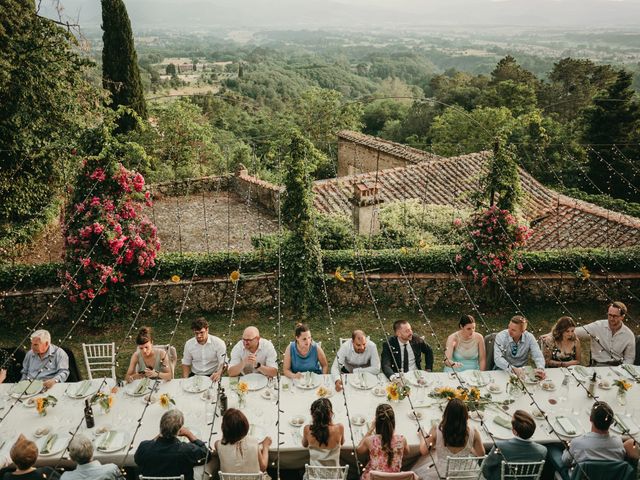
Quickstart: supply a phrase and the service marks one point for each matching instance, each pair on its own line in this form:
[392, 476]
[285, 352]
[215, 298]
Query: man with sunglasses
[514, 346]
[253, 354]
[204, 354]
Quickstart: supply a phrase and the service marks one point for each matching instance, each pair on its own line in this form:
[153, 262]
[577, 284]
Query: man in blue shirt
[45, 361]
[513, 347]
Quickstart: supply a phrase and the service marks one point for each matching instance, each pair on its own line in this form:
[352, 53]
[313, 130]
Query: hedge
[432, 260]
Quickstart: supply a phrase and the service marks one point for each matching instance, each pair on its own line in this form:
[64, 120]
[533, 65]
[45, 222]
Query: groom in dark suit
[403, 352]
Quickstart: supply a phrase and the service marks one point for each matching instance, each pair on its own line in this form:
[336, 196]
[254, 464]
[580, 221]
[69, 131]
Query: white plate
[131, 388]
[605, 387]
[29, 402]
[494, 388]
[561, 431]
[268, 394]
[498, 431]
[118, 441]
[415, 415]
[379, 392]
[418, 378]
[307, 382]
[477, 416]
[297, 421]
[476, 378]
[255, 381]
[26, 388]
[586, 372]
[196, 384]
[629, 422]
[205, 396]
[363, 380]
[58, 446]
[358, 420]
[74, 390]
[551, 386]
[42, 431]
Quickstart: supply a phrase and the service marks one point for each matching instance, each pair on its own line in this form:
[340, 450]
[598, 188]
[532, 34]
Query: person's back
[42, 473]
[93, 470]
[595, 446]
[512, 450]
[239, 457]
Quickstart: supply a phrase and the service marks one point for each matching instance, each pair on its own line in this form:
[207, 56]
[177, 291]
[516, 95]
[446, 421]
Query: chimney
[365, 200]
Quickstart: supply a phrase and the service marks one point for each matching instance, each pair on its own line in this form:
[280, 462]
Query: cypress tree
[120, 71]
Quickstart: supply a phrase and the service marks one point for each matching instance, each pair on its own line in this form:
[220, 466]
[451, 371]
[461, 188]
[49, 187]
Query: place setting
[26, 388]
[308, 381]
[567, 426]
[52, 443]
[196, 384]
[476, 378]
[363, 380]
[624, 425]
[255, 381]
[111, 440]
[86, 388]
[139, 387]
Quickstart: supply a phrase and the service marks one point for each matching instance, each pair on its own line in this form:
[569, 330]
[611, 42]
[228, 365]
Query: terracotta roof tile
[401, 151]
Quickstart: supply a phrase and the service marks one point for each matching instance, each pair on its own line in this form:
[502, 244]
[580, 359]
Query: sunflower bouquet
[623, 385]
[104, 400]
[397, 391]
[166, 401]
[470, 396]
[42, 403]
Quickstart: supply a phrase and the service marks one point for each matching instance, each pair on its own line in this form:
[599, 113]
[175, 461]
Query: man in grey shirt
[81, 452]
[358, 355]
[45, 361]
[513, 347]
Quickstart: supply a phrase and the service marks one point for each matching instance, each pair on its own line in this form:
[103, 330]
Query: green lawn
[438, 324]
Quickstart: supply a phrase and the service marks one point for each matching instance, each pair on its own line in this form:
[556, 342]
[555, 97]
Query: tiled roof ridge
[596, 210]
[257, 181]
[387, 146]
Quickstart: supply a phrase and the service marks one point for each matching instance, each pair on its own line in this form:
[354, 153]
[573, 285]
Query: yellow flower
[234, 276]
[40, 405]
[338, 275]
[351, 276]
[622, 385]
[243, 387]
[584, 272]
[175, 278]
[392, 392]
[165, 400]
[322, 392]
[110, 401]
[474, 393]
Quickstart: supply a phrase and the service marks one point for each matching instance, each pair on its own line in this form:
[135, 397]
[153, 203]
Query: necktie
[405, 359]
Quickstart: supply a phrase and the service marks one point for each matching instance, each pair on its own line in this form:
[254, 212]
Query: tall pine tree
[120, 71]
[612, 127]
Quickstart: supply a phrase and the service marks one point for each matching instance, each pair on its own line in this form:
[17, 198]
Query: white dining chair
[378, 475]
[100, 357]
[317, 472]
[468, 468]
[521, 470]
[144, 477]
[241, 476]
[172, 354]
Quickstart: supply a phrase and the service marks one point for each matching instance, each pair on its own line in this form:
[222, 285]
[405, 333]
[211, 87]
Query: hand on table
[540, 373]
[215, 376]
[49, 383]
[338, 385]
[266, 442]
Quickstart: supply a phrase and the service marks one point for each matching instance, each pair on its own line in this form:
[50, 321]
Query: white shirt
[367, 361]
[207, 358]
[412, 357]
[265, 355]
[622, 343]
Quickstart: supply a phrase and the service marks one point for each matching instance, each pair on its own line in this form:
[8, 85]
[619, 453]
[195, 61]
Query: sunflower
[243, 387]
[175, 278]
[338, 275]
[40, 405]
[392, 392]
[166, 400]
[234, 276]
[584, 272]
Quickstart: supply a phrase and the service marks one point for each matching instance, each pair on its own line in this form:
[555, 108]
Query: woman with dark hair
[465, 348]
[561, 348]
[304, 355]
[148, 361]
[323, 437]
[452, 438]
[239, 453]
[384, 447]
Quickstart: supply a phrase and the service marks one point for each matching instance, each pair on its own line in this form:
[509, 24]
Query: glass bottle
[88, 415]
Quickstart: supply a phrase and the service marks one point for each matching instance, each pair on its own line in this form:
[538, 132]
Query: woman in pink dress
[384, 447]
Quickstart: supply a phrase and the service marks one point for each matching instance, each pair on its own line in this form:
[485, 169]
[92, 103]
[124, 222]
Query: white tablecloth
[262, 414]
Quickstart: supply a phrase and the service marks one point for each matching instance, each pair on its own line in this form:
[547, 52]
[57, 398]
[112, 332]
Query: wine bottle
[223, 401]
[88, 415]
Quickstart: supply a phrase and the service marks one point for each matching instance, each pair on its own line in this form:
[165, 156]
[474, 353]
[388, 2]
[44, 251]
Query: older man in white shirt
[612, 342]
[253, 354]
[358, 355]
[204, 354]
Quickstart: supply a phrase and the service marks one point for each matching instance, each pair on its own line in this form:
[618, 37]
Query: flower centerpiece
[241, 389]
[323, 392]
[470, 396]
[42, 403]
[166, 401]
[104, 400]
[515, 386]
[397, 391]
[623, 388]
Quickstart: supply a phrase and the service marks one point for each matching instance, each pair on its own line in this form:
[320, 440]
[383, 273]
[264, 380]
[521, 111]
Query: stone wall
[260, 192]
[190, 186]
[354, 158]
[216, 294]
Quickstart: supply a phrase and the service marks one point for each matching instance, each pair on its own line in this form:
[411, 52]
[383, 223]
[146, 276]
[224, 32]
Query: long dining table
[135, 417]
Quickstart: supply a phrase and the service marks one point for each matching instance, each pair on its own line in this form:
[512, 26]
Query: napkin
[82, 389]
[566, 425]
[503, 422]
[307, 379]
[142, 386]
[582, 371]
[363, 380]
[198, 382]
[416, 373]
[625, 428]
[630, 369]
[49, 443]
[108, 438]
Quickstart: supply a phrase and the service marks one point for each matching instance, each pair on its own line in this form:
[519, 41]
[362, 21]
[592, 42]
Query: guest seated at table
[239, 453]
[81, 452]
[561, 348]
[204, 354]
[385, 448]
[148, 361]
[598, 444]
[45, 361]
[513, 347]
[304, 355]
[358, 355]
[453, 437]
[166, 455]
[323, 437]
[398, 357]
[24, 454]
[612, 342]
[253, 354]
[520, 448]
[465, 348]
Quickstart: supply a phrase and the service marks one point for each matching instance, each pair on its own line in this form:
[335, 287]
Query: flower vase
[514, 391]
[622, 397]
[242, 401]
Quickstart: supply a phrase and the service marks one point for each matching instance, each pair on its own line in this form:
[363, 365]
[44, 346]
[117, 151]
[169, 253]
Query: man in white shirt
[204, 354]
[358, 355]
[253, 354]
[612, 342]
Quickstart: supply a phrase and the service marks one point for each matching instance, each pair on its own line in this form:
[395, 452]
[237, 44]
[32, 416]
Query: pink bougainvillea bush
[493, 238]
[109, 241]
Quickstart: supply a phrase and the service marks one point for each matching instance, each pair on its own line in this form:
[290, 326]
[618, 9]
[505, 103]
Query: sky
[300, 14]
